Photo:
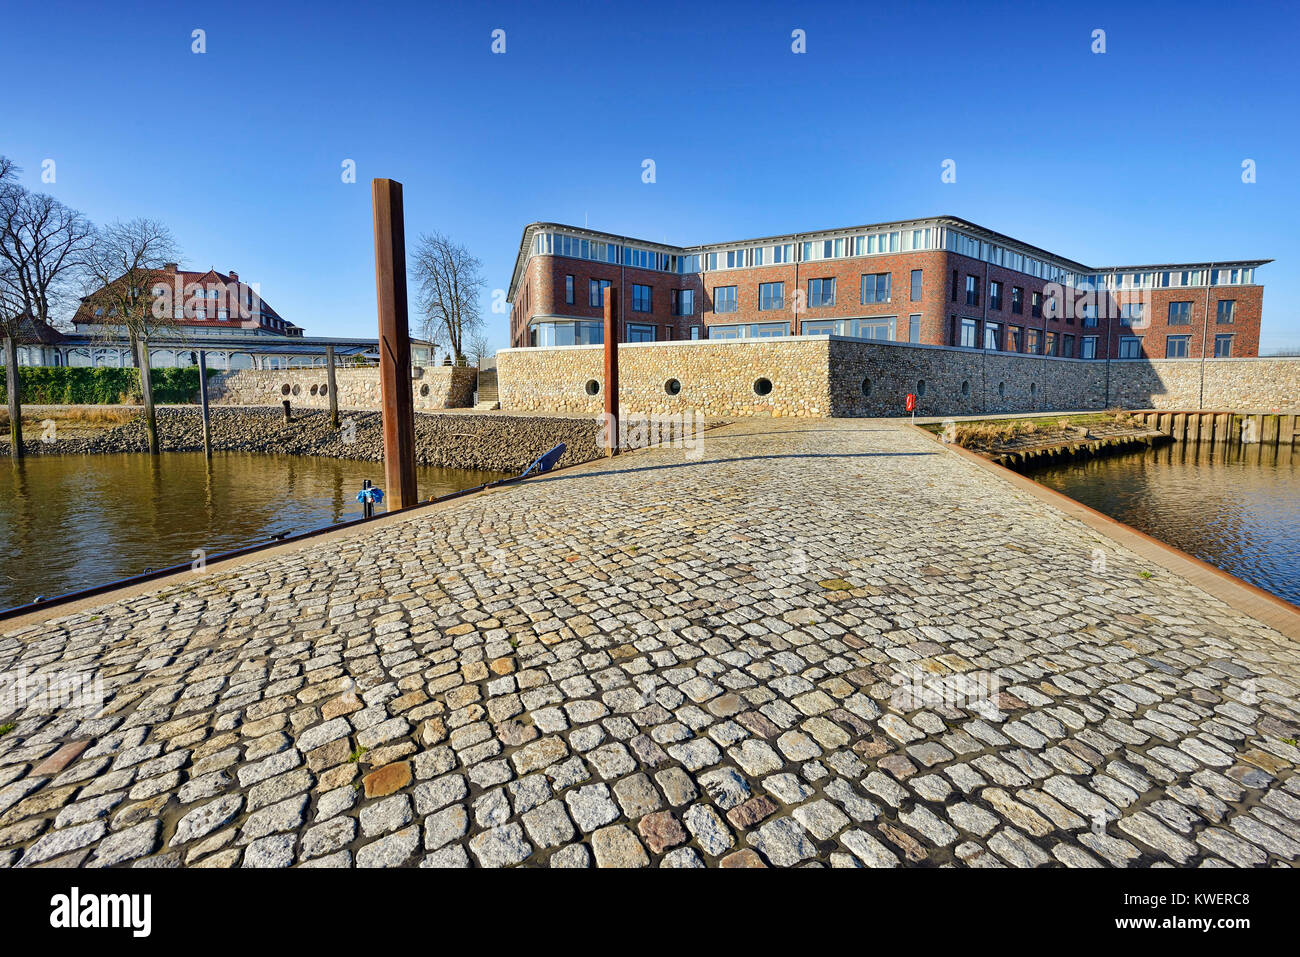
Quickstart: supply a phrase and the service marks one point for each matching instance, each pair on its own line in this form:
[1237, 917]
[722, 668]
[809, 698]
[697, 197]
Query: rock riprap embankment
[501, 443]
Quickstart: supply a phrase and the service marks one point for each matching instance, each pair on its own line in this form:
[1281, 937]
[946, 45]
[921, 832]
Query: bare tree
[478, 350]
[42, 242]
[122, 268]
[451, 283]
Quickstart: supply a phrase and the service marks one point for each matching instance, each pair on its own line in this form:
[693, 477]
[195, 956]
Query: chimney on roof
[234, 276]
[171, 267]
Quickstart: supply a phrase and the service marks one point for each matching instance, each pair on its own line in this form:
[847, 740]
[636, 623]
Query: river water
[74, 521]
[1234, 506]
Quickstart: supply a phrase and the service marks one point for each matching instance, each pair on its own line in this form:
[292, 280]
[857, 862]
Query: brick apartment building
[939, 281]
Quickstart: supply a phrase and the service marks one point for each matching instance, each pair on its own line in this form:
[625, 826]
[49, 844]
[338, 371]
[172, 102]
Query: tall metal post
[394, 344]
[203, 399]
[611, 371]
[333, 387]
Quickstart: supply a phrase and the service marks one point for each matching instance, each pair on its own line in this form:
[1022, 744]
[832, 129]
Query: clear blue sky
[1131, 156]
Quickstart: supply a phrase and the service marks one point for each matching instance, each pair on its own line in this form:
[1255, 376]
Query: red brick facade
[540, 291]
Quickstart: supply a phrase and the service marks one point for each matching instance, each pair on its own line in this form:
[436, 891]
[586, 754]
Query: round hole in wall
[965, 387]
[424, 389]
[762, 387]
[920, 388]
[1033, 389]
[672, 386]
[1002, 390]
[315, 389]
[297, 389]
[284, 389]
[592, 387]
[866, 387]
[324, 390]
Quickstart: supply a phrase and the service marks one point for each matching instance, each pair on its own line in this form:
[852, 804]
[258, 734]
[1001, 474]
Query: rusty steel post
[394, 345]
[611, 371]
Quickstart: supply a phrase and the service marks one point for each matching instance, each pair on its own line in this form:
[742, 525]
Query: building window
[821, 292]
[954, 285]
[992, 336]
[641, 301]
[1017, 340]
[1130, 312]
[875, 287]
[1090, 316]
[969, 333]
[874, 328]
[1017, 300]
[568, 289]
[913, 328]
[223, 314]
[1049, 348]
[683, 301]
[995, 295]
[1226, 310]
[771, 295]
[972, 291]
[916, 285]
[1067, 347]
[695, 332]
[1176, 347]
[1036, 305]
[754, 330]
[1088, 347]
[1130, 347]
[1223, 346]
[1033, 342]
[640, 332]
[724, 299]
[596, 292]
[1180, 313]
[566, 334]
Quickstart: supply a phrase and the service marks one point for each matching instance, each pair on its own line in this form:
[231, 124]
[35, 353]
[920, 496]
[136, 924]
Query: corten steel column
[203, 398]
[333, 387]
[611, 371]
[394, 345]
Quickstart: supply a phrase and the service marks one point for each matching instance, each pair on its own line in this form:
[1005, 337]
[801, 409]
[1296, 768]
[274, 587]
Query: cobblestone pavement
[827, 641]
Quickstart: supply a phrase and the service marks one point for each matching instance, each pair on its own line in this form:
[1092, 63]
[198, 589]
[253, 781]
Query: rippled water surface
[1234, 506]
[74, 521]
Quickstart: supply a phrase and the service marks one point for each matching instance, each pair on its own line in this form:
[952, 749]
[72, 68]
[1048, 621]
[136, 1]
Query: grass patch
[992, 433]
[6, 728]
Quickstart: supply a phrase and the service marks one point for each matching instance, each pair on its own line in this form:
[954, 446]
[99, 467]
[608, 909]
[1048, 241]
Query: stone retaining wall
[435, 387]
[830, 375]
[1238, 385]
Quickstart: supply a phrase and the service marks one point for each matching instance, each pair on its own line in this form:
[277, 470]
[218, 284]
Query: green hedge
[71, 385]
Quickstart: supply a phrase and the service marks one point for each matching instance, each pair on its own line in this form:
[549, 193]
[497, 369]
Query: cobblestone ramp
[827, 642]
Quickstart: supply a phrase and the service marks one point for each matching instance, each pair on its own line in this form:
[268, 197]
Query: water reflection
[1235, 506]
[70, 522]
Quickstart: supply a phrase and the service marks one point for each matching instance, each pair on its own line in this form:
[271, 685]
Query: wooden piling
[398, 403]
[203, 400]
[332, 386]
